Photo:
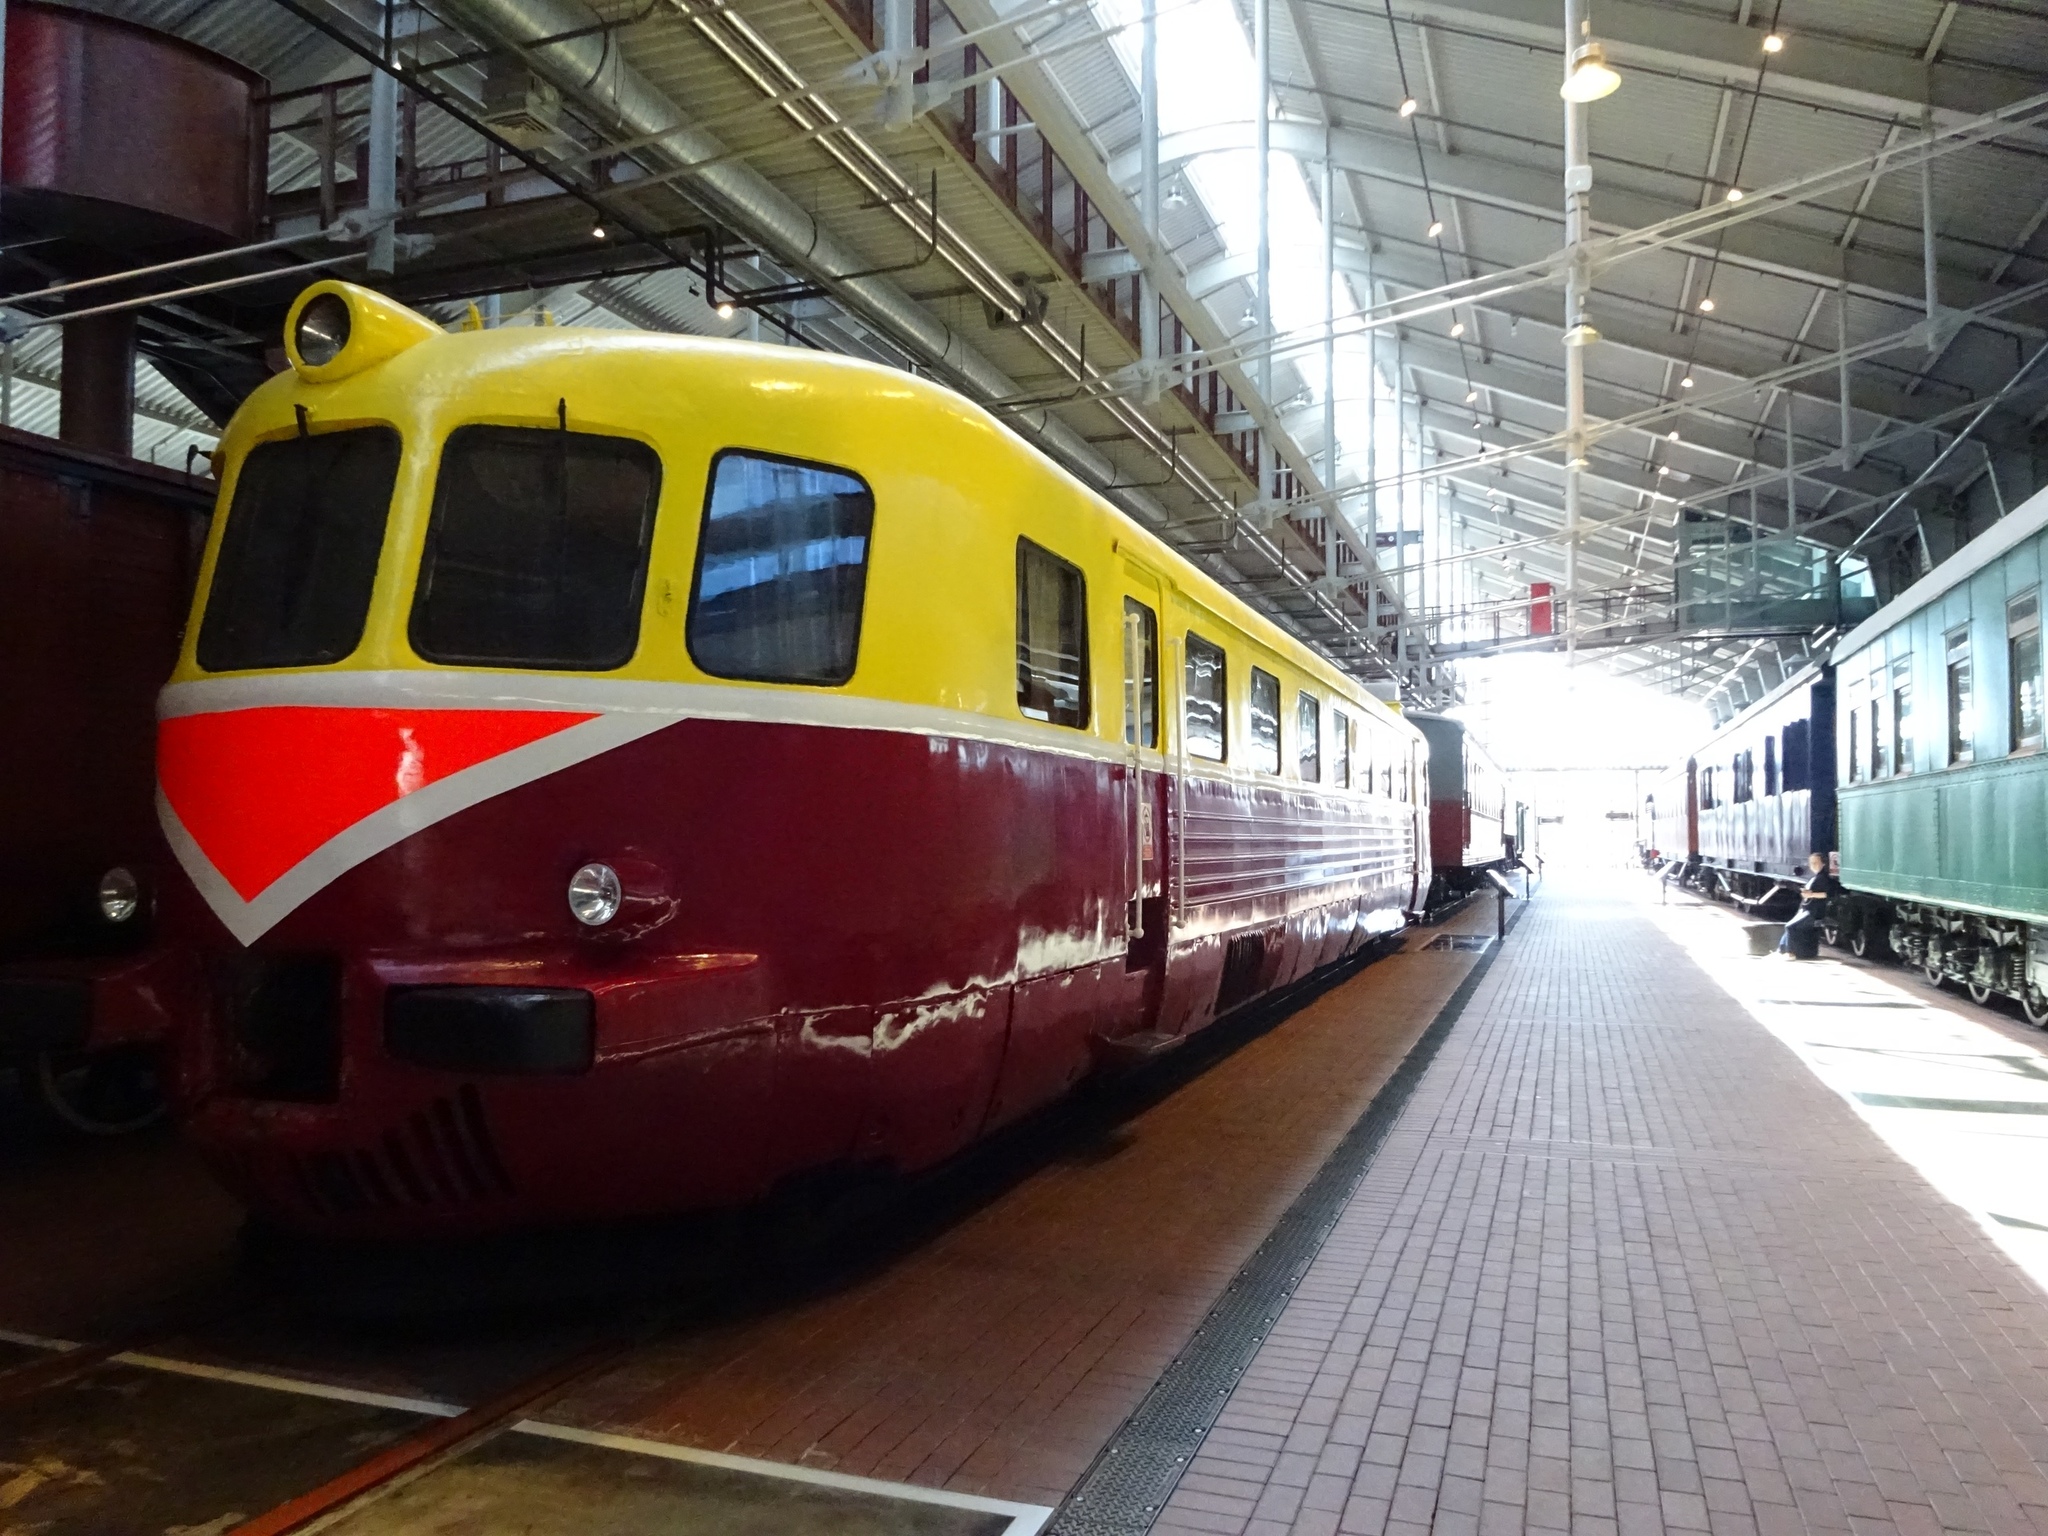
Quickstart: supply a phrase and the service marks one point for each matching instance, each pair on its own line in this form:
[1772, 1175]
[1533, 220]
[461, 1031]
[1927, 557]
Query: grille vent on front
[442, 1155]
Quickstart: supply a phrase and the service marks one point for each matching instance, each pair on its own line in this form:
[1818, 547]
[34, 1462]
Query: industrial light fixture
[1436, 227]
[1686, 382]
[1457, 329]
[1176, 195]
[725, 310]
[597, 232]
[1735, 194]
[1672, 435]
[1589, 78]
[1471, 397]
[1706, 306]
[1774, 43]
[1410, 106]
[1663, 470]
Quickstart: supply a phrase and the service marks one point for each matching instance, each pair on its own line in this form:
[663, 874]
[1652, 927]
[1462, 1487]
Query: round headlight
[323, 330]
[120, 895]
[594, 894]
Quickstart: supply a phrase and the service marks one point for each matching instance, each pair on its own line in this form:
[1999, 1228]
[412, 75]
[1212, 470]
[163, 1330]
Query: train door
[1149, 786]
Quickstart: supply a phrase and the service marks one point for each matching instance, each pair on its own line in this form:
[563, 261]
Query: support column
[1372, 460]
[1148, 189]
[1262, 52]
[96, 389]
[1329, 190]
[383, 188]
[1842, 374]
[1578, 189]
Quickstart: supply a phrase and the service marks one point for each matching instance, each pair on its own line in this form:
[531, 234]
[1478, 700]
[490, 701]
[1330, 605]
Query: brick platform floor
[1626, 1265]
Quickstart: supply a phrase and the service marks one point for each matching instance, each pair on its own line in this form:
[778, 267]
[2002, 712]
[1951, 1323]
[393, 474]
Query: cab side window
[1052, 637]
[782, 570]
[1141, 669]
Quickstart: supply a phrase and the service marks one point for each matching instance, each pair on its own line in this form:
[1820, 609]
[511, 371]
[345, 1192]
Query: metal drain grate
[1130, 1480]
[1476, 942]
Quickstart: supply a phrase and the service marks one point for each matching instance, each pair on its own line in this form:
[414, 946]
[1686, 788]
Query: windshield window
[291, 585]
[537, 552]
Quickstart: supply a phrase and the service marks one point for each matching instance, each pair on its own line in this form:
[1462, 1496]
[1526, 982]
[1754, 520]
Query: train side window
[1052, 637]
[1770, 766]
[1265, 721]
[1798, 743]
[1206, 726]
[1855, 745]
[2023, 669]
[1387, 772]
[1141, 674]
[291, 584]
[1743, 778]
[782, 570]
[536, 552]
[1902, 715]
[1308, 718]
[1961, 713]
[1340, 749]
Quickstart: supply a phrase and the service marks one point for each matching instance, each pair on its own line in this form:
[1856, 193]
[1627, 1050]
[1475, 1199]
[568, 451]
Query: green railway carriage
[1943, 778]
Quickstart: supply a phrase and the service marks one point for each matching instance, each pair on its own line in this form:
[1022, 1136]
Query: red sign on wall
[1540, 621]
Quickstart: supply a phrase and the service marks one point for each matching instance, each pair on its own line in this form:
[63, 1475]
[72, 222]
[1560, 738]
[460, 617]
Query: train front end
[431, 807]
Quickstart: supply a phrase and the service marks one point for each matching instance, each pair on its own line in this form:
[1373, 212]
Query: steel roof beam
[1842, 73]
[1757, 245]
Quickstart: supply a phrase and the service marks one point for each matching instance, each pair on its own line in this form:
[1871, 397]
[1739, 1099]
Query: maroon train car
[1471, 811]
[99, 554]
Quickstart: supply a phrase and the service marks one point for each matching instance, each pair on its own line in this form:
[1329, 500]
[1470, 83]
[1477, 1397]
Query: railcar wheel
[2034, 1004]
[1932, 970]
[1979, 993]
[1860, 942]
[103, 1093]
[1831, 934]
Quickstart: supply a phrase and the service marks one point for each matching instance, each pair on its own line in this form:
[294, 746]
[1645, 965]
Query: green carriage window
[1961, 703]
[291, 585]
[2023, 669]
[1902, 715]
[536, 551]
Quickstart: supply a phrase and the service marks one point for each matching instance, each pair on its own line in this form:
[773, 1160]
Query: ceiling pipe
[586, 67]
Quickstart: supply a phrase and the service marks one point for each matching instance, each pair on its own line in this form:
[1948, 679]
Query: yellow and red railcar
[613, 773]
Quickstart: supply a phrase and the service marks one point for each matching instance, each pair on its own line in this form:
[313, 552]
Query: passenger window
[2023, 668]
[1855, 745]
[1207, 684]
[1340, 749]
[536, 551]
[1880, 742]
[1902, 715]
[291, 584]
[1961, 717]
[1052, 637]
[782, 571]
[1141, 674]
[1770, 766]
[1265, 721]
[1308, 717]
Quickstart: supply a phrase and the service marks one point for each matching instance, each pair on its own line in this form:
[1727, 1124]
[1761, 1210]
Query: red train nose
[257, 792]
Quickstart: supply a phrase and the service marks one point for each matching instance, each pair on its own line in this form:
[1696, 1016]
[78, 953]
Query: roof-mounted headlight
[336, 329]
[322, 330]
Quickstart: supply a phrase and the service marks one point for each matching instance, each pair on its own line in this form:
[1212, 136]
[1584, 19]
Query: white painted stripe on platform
[1025, 1519]
[421, 1405]
[36, 1340]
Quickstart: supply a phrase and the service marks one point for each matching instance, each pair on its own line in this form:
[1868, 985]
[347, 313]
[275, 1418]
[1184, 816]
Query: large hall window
[782, 571]
[291, 584]
[1207, 685]
[2023, 668]
[1961, 705]
[1141, 674]
[1308, 719]
[1052, 637]
[1265, 721]
[1340, 749]
[537, 549]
